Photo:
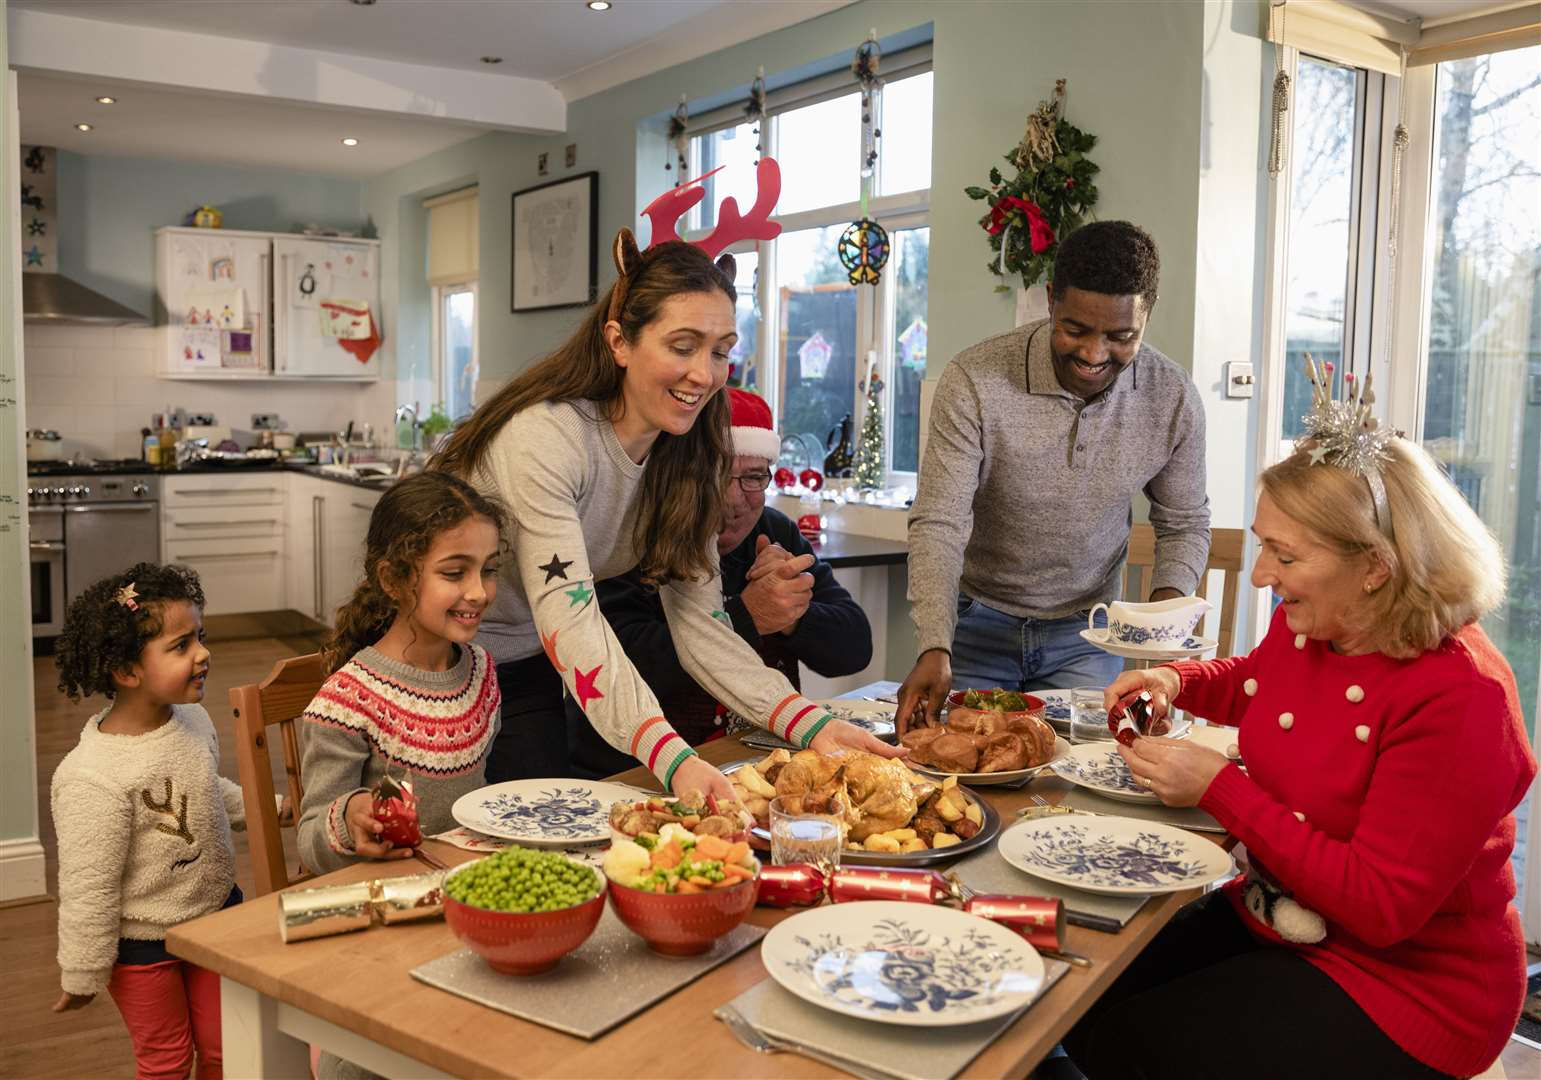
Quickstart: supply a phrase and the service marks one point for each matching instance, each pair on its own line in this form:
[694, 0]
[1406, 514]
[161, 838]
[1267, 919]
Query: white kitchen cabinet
[345, 528]
[304, 505]
[256, 305]
[230, 529]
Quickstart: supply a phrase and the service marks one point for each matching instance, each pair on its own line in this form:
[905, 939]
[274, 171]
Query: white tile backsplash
[97, 387]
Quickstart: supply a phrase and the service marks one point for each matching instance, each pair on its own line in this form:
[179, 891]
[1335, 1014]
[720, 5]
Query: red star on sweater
[585, 688]
[550, 646]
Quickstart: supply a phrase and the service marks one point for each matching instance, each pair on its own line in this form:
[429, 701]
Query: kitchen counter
[199, 467]
[847, 550]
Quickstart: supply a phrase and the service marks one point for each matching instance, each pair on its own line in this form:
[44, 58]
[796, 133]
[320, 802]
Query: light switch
[1238, 379]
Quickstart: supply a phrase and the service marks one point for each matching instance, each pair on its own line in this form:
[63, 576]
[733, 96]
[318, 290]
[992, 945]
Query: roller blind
[1459, 37]
[1342, 33]
[454, 250]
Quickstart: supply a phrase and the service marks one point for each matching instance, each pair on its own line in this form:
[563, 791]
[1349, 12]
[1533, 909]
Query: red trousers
[171, 1009]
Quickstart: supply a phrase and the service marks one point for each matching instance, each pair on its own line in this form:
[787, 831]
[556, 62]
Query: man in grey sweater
[1040, 439]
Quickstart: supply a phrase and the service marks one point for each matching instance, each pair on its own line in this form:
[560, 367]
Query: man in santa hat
[781, 598]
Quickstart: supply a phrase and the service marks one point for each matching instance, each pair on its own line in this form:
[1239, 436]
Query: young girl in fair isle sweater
[409, 694]
[143, 816]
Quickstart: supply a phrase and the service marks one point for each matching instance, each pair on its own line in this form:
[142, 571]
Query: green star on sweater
[579, 594]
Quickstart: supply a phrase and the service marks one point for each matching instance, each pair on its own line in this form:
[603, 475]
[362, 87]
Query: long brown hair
[402, 528]
[681, 505]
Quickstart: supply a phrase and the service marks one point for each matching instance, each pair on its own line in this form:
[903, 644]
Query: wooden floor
[92, 1042]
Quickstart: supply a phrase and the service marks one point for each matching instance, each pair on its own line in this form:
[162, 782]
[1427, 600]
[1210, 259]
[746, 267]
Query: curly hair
[402, 528]
[681, 505]
[103, 635]
[1113, 257]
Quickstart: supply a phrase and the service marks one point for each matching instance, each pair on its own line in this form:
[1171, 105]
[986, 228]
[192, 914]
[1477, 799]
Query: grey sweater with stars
[1026, 492]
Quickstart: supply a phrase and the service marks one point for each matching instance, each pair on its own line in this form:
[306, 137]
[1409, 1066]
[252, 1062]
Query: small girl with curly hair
[143, 816]
[409, 696]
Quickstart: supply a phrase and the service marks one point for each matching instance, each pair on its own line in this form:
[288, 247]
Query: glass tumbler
[804, 838]
[1088, 719]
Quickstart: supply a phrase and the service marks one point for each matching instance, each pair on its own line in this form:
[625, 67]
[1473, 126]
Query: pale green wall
[18, 740]
[1134, 78]
[110, 207]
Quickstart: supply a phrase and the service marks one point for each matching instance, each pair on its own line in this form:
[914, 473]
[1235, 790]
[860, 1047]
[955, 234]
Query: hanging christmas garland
[1049, 197]
[863, 247]
[679, 138]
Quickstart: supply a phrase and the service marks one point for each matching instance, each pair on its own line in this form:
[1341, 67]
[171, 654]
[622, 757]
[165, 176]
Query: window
[806, 334]
[455, 358]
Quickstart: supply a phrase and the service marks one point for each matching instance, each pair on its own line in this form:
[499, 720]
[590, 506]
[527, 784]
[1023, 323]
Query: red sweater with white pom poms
[1380, 793]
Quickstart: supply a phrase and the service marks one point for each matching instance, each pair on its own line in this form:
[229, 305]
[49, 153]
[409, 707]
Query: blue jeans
[992, 649]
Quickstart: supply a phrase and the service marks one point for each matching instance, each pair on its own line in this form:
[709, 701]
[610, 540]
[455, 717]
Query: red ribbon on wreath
[1040, 234]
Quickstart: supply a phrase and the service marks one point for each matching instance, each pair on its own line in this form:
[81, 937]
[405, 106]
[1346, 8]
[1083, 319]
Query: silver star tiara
[1346, 435]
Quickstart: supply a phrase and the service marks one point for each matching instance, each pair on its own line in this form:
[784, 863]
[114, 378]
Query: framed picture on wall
[555, 242]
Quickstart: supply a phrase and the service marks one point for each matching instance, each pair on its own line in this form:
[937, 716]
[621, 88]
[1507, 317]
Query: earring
[1369, 587]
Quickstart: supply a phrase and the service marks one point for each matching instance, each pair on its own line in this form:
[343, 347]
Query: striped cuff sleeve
[337, 836]
[657, 745]
[798, 720]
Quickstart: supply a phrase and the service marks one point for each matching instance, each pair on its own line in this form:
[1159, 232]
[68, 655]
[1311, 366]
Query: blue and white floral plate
[874, 716]
[543, 813]
[900, 963]
[1188, 647]
[1056, 710]
[1098, 767]
[1113, 855]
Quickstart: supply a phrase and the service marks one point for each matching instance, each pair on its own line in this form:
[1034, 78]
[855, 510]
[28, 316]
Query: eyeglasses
[751, 483]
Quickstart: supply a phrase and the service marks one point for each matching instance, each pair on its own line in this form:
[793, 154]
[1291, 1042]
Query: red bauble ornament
[785, 477]
[812, 479]
[810, 525]
[395, 808]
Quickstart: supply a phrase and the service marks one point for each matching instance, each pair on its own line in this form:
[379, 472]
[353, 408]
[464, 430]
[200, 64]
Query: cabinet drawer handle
[231, 555]
[223, 524]
[318, 588]
[219, 491]
[361, 506]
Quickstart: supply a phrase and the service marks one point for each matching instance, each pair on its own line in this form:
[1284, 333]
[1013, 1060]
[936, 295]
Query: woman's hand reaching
[840, 735]
[697, 775]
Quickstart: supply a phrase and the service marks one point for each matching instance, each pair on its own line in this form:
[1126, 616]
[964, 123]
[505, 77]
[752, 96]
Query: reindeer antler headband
[1346, 435]
[665, 211]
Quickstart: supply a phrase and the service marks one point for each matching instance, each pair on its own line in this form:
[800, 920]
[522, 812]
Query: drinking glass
[804, 838]
[1088, 719]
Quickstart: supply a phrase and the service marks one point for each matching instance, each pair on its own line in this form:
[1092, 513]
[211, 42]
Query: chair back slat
[279, 700]
[1227, 548]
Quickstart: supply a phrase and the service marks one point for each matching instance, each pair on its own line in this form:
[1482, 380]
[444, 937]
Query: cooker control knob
[30, 494]
[59, 492]
[141, 489]
[76, 491]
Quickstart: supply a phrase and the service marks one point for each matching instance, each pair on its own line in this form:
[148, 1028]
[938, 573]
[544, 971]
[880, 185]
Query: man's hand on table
[840, 735]
[779, 588]
[924, 690]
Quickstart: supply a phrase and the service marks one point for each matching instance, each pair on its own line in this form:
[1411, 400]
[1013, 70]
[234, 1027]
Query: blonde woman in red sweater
[1373, 933]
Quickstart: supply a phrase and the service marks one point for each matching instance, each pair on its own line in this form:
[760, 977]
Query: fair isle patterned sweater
[574, 497]
[432, 727]
[144, 839]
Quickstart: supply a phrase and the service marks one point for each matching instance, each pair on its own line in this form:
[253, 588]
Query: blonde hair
[1446, 567]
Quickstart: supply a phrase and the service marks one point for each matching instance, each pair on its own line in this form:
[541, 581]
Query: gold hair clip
[1346, 434]
[126, 596]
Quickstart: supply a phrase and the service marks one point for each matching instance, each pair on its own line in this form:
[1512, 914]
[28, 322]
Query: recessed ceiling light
[492, 59]
[599, 5]
[106, 100]
[82, 127]
[350, 141]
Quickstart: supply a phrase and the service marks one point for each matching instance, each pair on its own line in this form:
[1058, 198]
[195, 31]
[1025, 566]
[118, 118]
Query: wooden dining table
[352, 994]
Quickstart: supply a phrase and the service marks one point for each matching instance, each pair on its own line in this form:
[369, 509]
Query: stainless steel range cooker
[85, 524]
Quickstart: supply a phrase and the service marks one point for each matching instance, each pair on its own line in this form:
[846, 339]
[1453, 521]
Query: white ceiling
[168, 123]
[1426, 10]
[538, 39]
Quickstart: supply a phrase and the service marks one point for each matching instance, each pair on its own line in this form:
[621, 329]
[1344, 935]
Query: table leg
[254, 1048]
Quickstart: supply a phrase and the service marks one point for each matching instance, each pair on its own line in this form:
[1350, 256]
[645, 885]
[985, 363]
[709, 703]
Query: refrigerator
[326, 308]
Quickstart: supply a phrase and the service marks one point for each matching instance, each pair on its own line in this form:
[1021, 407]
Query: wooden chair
[277, 701]
[1226, 550]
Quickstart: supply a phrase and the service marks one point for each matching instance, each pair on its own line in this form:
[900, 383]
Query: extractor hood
[55, 300]
[47, 296]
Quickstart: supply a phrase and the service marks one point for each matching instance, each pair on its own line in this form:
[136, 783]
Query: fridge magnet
[556, 257]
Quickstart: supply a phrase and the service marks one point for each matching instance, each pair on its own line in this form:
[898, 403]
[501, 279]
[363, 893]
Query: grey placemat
[605, 981]
[873, 1048]
[988, 872]
[1184, 817]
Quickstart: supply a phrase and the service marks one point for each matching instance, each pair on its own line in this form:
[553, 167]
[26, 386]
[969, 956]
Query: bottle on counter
[166, 438]
[146, 441]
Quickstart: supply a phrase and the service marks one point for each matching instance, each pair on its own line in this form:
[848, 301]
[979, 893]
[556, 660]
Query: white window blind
[454, 250]
[1459, 37]
[1347, 35]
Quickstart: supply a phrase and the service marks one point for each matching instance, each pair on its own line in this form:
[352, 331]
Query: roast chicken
[871, 793]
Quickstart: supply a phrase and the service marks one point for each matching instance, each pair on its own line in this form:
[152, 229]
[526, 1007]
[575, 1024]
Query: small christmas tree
[868, 466]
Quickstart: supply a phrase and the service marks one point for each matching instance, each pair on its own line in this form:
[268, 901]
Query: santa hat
[754, 434]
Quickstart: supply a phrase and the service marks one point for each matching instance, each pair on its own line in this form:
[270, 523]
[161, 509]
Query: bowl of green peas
[523, 910]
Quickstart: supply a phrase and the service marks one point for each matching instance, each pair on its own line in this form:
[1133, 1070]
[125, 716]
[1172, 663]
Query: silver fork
[757, 1040]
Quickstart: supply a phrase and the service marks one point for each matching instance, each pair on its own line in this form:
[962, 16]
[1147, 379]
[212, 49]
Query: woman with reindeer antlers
[612, 454]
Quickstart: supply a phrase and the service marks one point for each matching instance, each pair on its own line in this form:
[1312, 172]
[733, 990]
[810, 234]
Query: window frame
[439, 375]
[875, 306]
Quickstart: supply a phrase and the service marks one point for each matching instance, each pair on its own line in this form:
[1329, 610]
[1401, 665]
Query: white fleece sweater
[144, 839]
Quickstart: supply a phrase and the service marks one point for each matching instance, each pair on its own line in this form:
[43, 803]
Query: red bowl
[524, 943]
[683, 924]
[1034, 704]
